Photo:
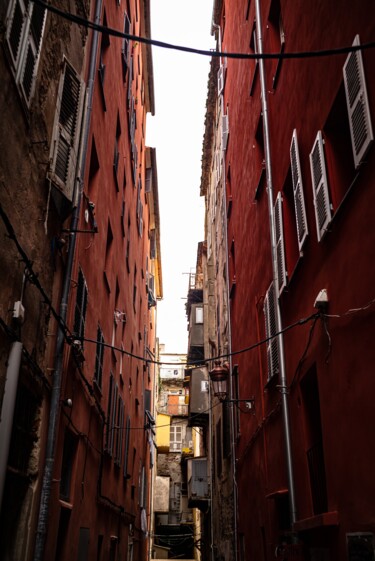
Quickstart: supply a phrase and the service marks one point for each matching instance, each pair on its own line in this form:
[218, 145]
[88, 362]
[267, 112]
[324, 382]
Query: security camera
[321, 301]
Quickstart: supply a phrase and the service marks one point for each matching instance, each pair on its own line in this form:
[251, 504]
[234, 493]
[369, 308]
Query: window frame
[30, 39]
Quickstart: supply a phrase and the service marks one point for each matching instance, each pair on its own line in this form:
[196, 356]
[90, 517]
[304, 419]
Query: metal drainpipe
[60, 342]
[232, 436]
[283, 382]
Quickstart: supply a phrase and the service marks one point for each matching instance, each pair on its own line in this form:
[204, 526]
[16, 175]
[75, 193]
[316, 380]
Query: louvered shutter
[299, 200]
[64, 147]
[224, 131]
[320, 187]
[80, 307]
[24, 38]
[126, 449]
[99, 357]
[280, 245]
[17, 22]
[220, 80]
[358, 106]
[32, 51]
[271, 330]
[125, 51]
[109, 411]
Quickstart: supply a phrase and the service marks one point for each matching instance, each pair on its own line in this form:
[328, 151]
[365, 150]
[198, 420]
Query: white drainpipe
[283, 381]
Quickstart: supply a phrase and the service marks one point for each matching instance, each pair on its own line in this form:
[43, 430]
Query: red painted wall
[328, 364]
[113, 261]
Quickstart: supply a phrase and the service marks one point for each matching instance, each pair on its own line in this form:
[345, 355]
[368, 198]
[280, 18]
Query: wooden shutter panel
[224, 131]
[220, 80]
[358, 106]
[320, 187]
[32, 51]
[280, 246]
[299, 200]
[271, 330]
[64, 148]
[125, 51]
[23, 39]
[15, 29]
[81, 307]
[126, 450]
[109, 415]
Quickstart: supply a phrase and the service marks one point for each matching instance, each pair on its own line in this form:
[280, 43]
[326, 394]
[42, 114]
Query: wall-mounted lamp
[219, 378]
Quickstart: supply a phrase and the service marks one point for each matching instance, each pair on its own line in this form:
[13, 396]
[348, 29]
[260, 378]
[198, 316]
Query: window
[111, 414]
[271, 330]
[23, 40]
[254, 50]
[65, 138]
[277, 37]
[280, 245]
[126, 447]
[199, 315]
[99, 357]
[321, 196]
[102, 66]
[175, 444]
[232, 270]
[139, 209]
[142, 488]
[125, 51]
[219, 453]
[298, 196]
[221, 76]
[80, 307]
[358, 106]
[119, 430]
[116, 155]
[224, 131]
[69, 451]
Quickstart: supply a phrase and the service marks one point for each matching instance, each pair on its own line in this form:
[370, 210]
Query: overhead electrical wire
[211, 53]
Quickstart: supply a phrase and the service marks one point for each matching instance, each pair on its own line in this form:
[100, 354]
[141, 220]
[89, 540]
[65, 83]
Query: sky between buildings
[176, 131]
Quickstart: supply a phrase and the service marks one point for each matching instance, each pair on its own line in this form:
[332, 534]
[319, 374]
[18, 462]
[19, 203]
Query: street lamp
[219, 378]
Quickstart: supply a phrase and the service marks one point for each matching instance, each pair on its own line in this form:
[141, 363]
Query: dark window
[126, 448]
[314, 441]
[99, 357]
[80, 307]
[277, 37]
[69, 452]
[125, 51]
[219, 453]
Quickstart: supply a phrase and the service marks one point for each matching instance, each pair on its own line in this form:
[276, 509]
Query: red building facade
[82, 336]
[104, 449]
[299, 192]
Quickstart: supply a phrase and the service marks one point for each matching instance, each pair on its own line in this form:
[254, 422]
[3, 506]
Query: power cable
[211, 53]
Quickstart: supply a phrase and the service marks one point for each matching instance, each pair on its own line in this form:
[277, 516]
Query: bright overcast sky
[176, 131]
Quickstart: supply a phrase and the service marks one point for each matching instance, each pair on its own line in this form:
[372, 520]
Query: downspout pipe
[232, 406]
[60, 342]
[283, 381]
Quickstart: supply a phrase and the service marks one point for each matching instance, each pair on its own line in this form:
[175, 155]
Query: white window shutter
[271, 330]
[17, 21]
[24, 34]
[280, 245]
[224, 131]
[358, 106]
[220, 80]
[299, 199]
[320, 187]
[65, 143]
